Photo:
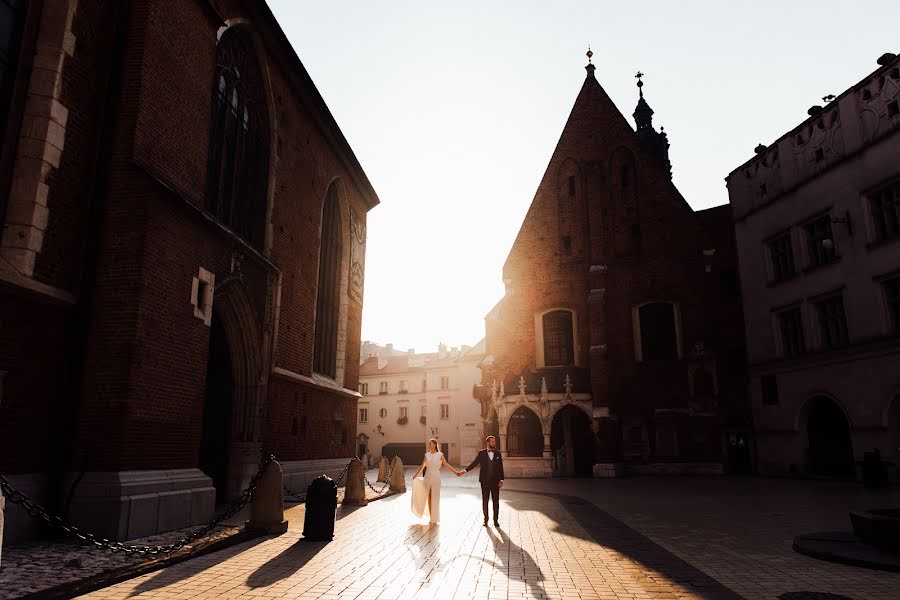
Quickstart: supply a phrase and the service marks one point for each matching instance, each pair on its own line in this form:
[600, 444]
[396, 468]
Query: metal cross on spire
[589, 54]
[640, 83]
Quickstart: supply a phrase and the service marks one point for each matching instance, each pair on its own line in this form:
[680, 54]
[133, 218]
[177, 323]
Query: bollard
[267, 508]
[398, 477]
[382, 470]
[355, 491]
[321, 503]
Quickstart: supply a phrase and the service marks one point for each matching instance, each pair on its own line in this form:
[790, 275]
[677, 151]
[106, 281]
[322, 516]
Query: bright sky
[454, 109]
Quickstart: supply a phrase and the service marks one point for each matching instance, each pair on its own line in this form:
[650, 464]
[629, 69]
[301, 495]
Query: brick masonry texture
[145, 355]
[634, 236]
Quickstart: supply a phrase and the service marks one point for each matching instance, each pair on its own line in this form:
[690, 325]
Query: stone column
[398, 477]
[267, 508]
[355, 491]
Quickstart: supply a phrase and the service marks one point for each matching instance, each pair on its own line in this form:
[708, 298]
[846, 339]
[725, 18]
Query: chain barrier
[387, 478]
[39, 512]
[288, 492]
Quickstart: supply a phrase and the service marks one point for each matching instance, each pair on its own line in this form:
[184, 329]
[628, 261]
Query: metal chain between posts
[387, 478]
[39, 512]
[302, 497]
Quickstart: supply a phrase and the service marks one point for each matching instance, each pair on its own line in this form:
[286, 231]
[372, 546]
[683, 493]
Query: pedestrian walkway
[668, 538]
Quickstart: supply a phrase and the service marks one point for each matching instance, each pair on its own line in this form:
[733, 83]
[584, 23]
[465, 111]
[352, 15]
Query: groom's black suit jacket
[491, 470]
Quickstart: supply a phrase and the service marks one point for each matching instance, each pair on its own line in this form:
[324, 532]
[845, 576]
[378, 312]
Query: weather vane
[589, 53]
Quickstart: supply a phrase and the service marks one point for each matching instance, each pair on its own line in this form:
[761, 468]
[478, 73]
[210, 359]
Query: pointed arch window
[239, 142]
[658, 332]
[328, 291]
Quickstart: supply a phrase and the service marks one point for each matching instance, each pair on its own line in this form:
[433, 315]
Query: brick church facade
[618, 345]
[182, 262]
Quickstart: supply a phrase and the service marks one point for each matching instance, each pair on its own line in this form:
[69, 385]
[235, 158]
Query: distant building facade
[181, 262]
[369, 348]
[407, 400]
[817, 223]
[618, 344]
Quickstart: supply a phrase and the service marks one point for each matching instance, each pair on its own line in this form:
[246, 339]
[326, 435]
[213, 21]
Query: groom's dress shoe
[496, 523]
[485, 523]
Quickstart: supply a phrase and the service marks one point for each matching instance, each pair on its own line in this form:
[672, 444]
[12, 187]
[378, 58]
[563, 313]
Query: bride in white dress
[427, 490]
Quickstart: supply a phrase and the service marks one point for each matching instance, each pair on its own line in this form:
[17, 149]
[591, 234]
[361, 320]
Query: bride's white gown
[430, 484]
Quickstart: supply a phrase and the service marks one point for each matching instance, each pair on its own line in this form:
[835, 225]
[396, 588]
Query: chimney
[389, 347]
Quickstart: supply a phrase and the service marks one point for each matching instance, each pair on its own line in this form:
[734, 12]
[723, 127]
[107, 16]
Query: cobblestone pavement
[37, 566]
[668, 538]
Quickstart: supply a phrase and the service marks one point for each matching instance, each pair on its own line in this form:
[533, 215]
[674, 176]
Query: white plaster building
[409, 399]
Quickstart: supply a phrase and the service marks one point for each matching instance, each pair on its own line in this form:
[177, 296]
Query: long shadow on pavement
[614, 535]
[509, 554]
[289, 561]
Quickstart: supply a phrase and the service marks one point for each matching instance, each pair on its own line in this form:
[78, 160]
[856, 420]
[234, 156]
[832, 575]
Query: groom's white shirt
[491, 454]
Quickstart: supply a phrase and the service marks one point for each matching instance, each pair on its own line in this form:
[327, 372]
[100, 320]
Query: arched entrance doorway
[215, 445]
[524, 436]
[572, 443]
[830, 446]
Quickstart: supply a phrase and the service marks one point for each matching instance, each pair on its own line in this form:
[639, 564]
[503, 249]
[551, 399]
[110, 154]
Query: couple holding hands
[426, 491]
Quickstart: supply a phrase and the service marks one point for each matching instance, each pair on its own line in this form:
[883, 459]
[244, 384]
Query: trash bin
[874, 470]
[321, 504]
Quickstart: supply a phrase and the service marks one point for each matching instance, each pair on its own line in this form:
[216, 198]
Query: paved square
[640, 538]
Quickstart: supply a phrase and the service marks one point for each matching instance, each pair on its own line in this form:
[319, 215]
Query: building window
[364, 389]
[383, 387]
[424, 411]
[403, 389]
[237, 185]
[782, 256]
[658, 336]
[382, 413]
[364, 415]
[891, 289]
[445, 382]
[832, 322]
[12, 26]
[404, 416]
[769, 389]
[571, 185]
[817, 231]
[885, 206]
[559, 350]
[790, 324]
[328, 294]
[445, 411]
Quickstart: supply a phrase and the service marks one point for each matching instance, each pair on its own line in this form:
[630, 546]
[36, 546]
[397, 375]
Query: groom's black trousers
[488, 490]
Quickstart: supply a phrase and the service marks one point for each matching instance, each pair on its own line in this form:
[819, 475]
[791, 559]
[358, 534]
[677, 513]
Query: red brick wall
[145, 366]
[664, 263]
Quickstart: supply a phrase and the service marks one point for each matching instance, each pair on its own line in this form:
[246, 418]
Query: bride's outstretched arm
[419, 470]
[449, 466]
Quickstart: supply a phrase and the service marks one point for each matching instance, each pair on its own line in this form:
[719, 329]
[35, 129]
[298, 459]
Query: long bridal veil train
[419, 501]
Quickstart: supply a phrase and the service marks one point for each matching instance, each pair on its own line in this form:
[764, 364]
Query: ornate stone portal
[545, 405]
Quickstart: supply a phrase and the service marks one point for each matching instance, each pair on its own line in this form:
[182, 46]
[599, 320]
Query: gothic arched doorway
[572, 443]
[830, 446]
[215, 444]
[524, 436]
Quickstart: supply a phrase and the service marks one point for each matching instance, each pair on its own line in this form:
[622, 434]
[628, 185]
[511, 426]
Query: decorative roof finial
[640, 83]
[589, 54]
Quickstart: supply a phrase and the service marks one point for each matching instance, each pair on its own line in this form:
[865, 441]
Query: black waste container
[874, 470]
[321, 504]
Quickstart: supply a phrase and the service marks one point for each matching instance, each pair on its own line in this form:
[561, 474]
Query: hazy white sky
[454, 108]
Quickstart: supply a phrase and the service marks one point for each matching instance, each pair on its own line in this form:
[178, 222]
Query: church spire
[656, 142]
[643, 114]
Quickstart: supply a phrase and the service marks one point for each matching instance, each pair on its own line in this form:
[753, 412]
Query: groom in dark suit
[491, 477]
